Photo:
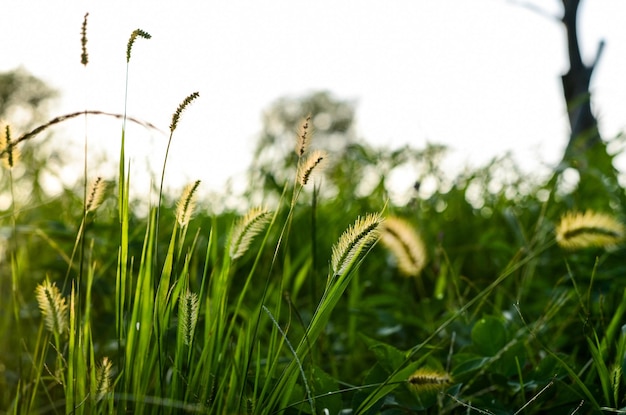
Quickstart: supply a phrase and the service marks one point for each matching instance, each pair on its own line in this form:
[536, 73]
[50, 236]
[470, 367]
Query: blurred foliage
[25, 101]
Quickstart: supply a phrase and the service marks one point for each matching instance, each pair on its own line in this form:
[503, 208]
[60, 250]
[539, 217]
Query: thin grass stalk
[183, 347]
[164, 285]
[348, 253]
[70, 387]
[331, 296]
[87, 341]
[214, 348]
[295, 356]
[138, 354]
[161, 309]
[81, 255]
[313, 272]
[123, 186]
[173, 125]
[40, 352]
[242, 293]
[16, 299]
[259, 311]
[199, 375]
[382, 389]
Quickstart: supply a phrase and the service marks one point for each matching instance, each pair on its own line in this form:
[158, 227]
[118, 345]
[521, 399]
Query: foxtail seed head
[95, 195]
[401, 239]
[136, 33]
[10, 152]
[363, 234]
[314, 163]
[53, 306]
[84, 58]
[425, 380]
[180, 109]
[103, 378]
[188, 315]
[246, 229]
[589, 229]
[187, 203]
[305, 132]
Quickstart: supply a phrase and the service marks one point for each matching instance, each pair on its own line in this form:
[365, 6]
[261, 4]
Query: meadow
[496, 293]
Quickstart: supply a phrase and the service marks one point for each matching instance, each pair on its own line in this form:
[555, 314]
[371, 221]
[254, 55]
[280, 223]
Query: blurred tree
[24, 104]
[358, 174]
[24, 99]
[275, 155]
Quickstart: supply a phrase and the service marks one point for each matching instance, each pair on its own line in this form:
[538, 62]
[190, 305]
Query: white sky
[482, 76]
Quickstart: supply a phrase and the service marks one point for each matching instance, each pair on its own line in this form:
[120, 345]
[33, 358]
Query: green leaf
[324, 384]
[387, 356]
[374, 376]
[489, 335]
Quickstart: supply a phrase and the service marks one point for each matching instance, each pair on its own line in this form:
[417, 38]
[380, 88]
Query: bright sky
[482, 76]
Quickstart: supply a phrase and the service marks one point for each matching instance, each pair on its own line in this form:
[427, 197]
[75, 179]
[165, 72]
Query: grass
[503, 302]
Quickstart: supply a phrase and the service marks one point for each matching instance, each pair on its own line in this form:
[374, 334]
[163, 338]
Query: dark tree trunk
[583, 124]
[586, 150]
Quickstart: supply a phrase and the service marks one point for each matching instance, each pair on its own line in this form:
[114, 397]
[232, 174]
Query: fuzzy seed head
[305, 133]
[95, 195]
[181, 107]
[187, 203]
[53, 306]
[589, 229]
[133, 36]
[358, 237]
[103, 378]
[401, 239]
[10, 152]
[84, 58]
[188, 316]
[313, 164]
[425, 380]
[246, 229]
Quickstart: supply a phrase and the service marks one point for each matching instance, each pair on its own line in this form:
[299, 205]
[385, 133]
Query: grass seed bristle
[103, 378]
[133, 36]
[357, 237]
[589, 229]
[188, 316]
[425, 380]
[305, 132]
[10, 152]
[96, 194]
[313, 164]
[181, 108]
[84, 57]
[246, 229]
[186, 204]
[53, 306]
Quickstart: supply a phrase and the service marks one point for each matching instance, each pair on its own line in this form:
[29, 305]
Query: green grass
[296, 307]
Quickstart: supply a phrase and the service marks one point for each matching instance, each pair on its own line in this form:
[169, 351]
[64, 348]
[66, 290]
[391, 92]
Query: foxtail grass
[53, 307]
[589, 229]
[426, 380]
[229, 332]
[84, 56]
[305, 133]
[355, 241]
[313, 164]
[186, 204]
[246, 229]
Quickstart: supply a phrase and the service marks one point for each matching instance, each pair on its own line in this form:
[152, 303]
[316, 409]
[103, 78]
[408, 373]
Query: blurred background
[481, 77]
